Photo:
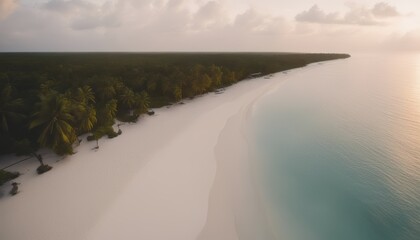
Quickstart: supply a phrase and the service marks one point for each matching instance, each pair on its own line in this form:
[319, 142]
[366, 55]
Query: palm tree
[8, 107]
[108, 112]
[54, 119]
[111, 109]
[127, 98]
[86, 95]
[177, 93]
[82, 100]
[216, 75]
[106, 91]
[205, 83]
[97, 134]
[143, 102]
[87, 119]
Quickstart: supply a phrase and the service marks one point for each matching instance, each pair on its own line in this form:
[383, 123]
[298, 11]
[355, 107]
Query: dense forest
[50, 99]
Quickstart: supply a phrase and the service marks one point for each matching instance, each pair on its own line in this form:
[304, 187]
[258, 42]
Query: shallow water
[340, 144]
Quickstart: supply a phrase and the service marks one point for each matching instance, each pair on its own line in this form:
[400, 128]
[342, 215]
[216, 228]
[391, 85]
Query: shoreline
[235, 210]
[156, 181]
[228, 112]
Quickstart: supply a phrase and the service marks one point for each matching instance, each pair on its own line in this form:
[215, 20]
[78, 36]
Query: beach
[174, 175]
[262, 159]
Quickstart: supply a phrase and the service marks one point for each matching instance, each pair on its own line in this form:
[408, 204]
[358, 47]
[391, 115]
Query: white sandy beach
[180, 174]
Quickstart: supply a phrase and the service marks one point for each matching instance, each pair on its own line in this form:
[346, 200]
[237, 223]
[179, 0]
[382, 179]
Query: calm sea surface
[341, 150]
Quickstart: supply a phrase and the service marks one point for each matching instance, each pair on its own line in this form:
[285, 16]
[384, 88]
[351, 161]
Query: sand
[181, 174]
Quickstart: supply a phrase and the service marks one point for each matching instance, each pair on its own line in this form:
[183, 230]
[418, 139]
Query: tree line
[51, 99]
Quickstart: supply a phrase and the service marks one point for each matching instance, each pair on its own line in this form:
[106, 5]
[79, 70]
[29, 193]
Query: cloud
[7, 7]
[356, 15]
[209, 16]
[67, 6]
[94, 21]
[107, 15]
[176, 4]
[258, 23]
[191, 25]
[408, 41]
[384, 10]
[84, 15]
[316, 15]
[147, 25]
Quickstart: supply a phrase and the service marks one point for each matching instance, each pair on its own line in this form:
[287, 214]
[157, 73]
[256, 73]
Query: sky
[210, 25]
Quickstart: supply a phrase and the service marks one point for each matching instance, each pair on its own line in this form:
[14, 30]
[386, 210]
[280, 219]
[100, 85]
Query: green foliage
[10, 108]
[112, 134]
[102, 131]
[85, 95]
[216, 74]
[107, 113]
[105, 89]
[127, 98]
[48, 99]
[64, 149]
[177, 93]
[82, 108]
[7, 176]
[142, 102]
[54, 120]
[86, 119]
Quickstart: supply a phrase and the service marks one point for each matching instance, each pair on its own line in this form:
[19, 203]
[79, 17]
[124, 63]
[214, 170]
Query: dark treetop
[49, 99]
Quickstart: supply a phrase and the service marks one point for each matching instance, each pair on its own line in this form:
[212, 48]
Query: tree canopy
[49, 99]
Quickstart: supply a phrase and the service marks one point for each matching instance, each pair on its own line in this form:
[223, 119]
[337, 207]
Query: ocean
[339, 143]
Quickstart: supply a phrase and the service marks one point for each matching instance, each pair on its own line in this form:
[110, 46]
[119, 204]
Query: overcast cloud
[380, 14]
[204, 25]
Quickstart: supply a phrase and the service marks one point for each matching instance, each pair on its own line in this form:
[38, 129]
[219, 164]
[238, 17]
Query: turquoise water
[340, 146]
